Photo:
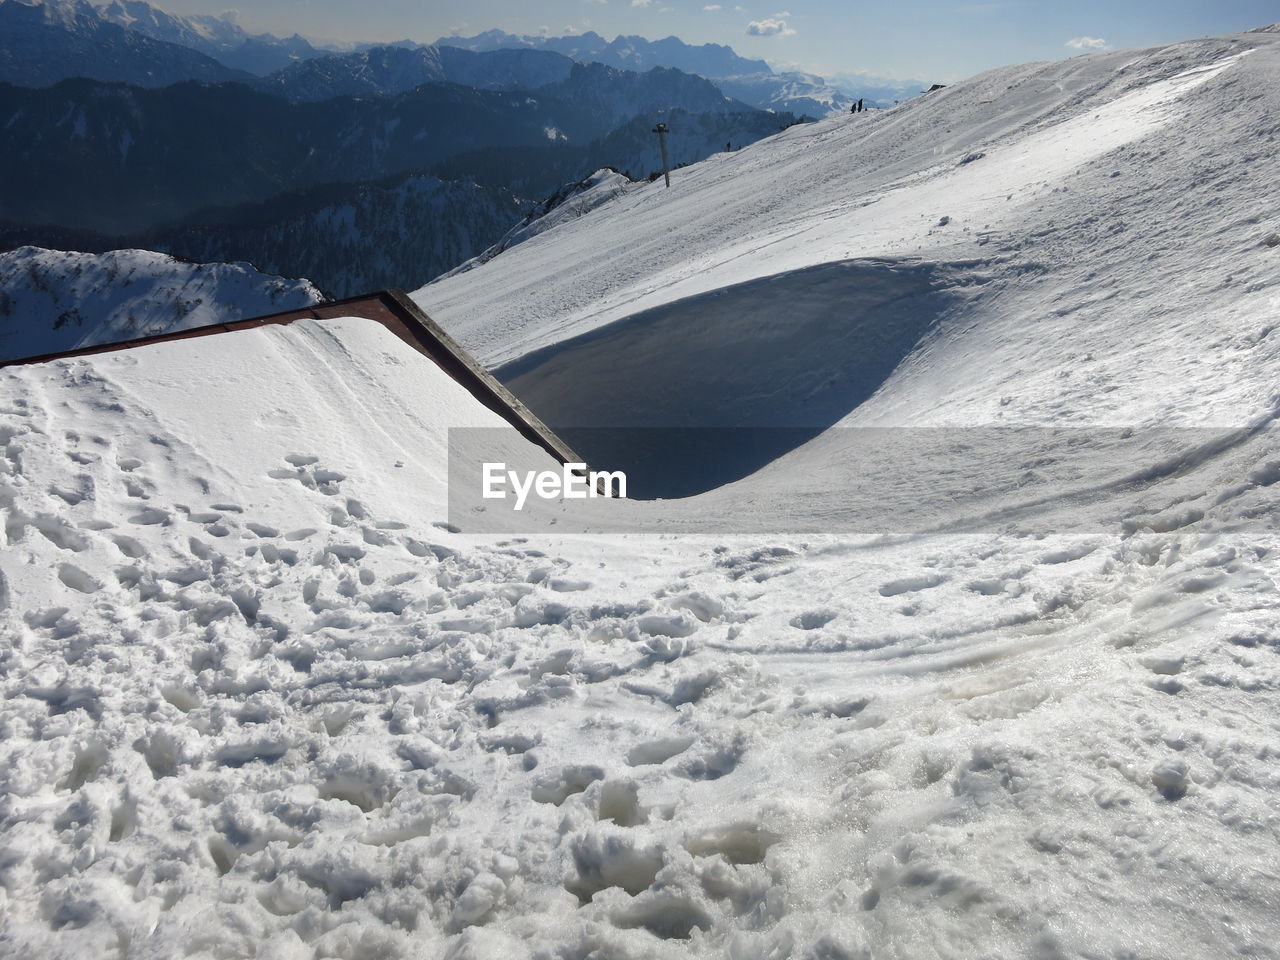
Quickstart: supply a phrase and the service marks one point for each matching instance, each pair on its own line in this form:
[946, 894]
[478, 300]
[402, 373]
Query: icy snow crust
[260, 700]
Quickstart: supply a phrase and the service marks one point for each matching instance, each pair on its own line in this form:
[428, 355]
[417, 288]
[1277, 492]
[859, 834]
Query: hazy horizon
[925, 40]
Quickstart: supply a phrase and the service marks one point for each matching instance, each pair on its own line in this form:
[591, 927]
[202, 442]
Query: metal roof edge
[396, 311]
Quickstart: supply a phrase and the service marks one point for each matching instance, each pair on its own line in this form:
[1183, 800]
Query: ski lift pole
[661, 131]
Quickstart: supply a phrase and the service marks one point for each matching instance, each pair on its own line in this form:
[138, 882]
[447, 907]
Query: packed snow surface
[264, 696]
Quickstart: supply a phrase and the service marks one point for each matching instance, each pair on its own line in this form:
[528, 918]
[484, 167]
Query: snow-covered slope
[1101, 222]
[261, 699]
[570, 202]
[52, 300]
[1073, 243]
[258, 699]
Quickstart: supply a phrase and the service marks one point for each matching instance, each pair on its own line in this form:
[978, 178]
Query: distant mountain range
[296, 180]
[605, 95]
[387, 70]
[42, 43]
[110, 43]
[123, 159]
[751, 81]
[623, 52]
[353, 237]
[387, 163]
[218, 37]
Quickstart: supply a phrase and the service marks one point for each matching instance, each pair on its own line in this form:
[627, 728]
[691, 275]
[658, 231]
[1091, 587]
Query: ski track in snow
[257, 698]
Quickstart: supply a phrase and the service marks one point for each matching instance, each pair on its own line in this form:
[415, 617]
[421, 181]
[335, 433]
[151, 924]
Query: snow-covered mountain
[606, 96]
[44, 41]
[389, 70]
[131, 41]
[211, 35]
[265, 693]
[623, 52]
[221, 37]
[101, 168]
[751, 81]
[52, 300]
[50, 40]
[804, 94]
[1044, 170]
[621, 95]
[878, 91]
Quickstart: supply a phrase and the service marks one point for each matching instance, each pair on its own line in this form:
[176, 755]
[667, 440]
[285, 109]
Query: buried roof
[394, 310]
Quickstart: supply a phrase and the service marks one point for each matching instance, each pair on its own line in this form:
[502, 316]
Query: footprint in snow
[813, 619]
[149, 516]
[896, 588]
[77, 579]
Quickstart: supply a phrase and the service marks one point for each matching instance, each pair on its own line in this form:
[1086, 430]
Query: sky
[930, 40]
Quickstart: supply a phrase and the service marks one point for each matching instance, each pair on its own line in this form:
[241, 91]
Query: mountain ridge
[752, 81]
[41, 42]
[123, 159]
[220, 37]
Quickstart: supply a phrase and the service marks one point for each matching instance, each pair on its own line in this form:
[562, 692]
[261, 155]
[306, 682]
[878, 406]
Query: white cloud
[713, 6]
[1087, 43]
[641, 3]
[769, 27]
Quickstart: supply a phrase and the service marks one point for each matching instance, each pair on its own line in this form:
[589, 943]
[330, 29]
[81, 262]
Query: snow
[53, 300]
[875, 185]
[577, 200]
[268, 695]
